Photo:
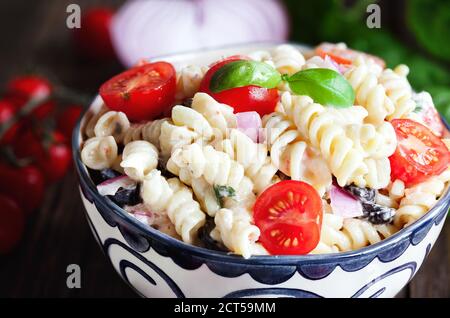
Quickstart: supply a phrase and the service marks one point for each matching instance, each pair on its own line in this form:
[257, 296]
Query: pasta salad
[271, 153]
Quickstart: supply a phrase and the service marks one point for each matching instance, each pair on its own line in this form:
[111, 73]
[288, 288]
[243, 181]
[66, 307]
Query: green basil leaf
[244, 73]
[223, 192]
[324, 86]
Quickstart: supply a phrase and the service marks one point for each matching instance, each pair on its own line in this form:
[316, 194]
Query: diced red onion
[142, 213]
[111, 186]
[145, 29]
[250, 124]
[343, 204]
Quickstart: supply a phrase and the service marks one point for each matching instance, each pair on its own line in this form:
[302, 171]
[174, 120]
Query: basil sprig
[324, 86]
[244, 73]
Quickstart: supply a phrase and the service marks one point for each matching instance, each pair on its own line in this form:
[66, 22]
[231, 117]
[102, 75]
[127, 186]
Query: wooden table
[34, 36]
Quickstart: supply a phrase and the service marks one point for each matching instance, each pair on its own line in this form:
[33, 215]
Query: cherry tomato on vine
[93, 38]
[142, 93]
[12, 223]
[7, 113]
[49, 151]
[67, 120]
[25, 185]
[242, 99]
[30, 86]
[23, 88]
[289, 215]
[420, 154]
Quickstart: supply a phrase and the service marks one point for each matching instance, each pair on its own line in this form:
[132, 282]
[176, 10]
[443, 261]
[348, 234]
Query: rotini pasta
[112, 123]
[287, 59]
[317, 126]
[398, 90]
[292, 156]
[188, 81]
[139, 158]
[150, 132]
[176, 199]
[99, 152]
[236, 231]
[370, 93]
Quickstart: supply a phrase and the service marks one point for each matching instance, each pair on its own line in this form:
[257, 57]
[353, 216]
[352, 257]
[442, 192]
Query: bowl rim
[228, 257]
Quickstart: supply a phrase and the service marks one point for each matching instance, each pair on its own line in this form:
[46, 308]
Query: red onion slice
[111, 186]
[343, 204]
[250, 124]
[146, 29]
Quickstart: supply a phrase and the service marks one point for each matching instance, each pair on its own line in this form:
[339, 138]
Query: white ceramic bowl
[156, 265]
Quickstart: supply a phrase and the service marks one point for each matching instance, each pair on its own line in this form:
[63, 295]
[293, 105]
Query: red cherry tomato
[29, 86]
[420, 154]
[93, 39]
[12, 223]
[289, 215]
[344, 56]
[22, 89]
[67, 120]
[7, 112]
[25, 185]
[242, 99]
[142, 93]
[49, 152]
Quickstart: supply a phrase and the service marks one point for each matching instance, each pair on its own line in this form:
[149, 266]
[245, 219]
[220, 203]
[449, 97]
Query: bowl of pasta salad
[264, 170]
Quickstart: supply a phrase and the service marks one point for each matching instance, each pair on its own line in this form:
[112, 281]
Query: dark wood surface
[34, 37]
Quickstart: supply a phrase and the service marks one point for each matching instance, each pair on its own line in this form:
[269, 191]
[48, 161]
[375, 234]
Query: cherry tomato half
[12, 223]
[289, 215]
[419, 154]
[242, 99]
[142, 93]
[25, 185]
[344, 56]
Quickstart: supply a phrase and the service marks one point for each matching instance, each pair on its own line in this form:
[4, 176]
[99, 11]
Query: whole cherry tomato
[7, 113]
[25, 185]
[93, 38]
[420, 154]
[67, 120]
[142, 93]
[29, 86]
[242, 99]
[49, 151]
[289, 215]
[12, 223]
[23, 88]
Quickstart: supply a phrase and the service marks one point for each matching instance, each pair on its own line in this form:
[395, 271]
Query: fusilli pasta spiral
[189, 80]
[99, 152]
[236, 230]
[177, 200]
[319, 128]
[369, 92]
[112, 123]
[139, 158]
[287, 59]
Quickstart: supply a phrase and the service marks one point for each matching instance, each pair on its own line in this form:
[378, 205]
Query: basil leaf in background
[244, 73]
[324, 86]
